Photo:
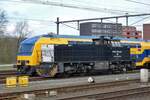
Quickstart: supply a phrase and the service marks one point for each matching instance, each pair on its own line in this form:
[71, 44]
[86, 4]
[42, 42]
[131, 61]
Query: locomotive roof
[32, 40]
[68, 36]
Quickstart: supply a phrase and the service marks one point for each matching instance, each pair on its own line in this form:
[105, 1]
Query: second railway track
[113, 94]
[72, 91]
[76, 88]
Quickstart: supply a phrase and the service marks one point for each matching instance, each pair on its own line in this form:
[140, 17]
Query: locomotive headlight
[27, 62]
[19, 61]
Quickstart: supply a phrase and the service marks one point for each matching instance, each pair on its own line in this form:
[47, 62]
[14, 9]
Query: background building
[97, 28]
[146, 31]
[131, 32]
[109, 29]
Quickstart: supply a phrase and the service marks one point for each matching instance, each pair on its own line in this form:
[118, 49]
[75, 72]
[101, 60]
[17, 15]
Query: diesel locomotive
[50, 55]
[36, 51]
[103, 53]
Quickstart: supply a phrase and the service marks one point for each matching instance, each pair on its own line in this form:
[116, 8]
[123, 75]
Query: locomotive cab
[119, 54]
[107, 41]
[102, 41]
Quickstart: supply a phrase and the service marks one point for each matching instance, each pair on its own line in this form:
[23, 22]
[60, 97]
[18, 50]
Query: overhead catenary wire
[104, 10]
[31, 19]
[59, 4]
[26, 19]
[70, 26]
[78, 27]
[140, 20]
[94, 3]
[133, 1]
[47, 3]
[104, 18]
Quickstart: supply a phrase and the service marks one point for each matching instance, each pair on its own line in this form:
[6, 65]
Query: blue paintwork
[26, 46]
[140, 57]
[30, 40]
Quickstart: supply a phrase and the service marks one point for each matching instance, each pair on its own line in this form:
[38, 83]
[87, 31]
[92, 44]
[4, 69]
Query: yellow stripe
[145, 60]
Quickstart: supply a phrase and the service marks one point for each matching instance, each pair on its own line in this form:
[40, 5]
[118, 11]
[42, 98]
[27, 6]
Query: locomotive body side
[84, 58]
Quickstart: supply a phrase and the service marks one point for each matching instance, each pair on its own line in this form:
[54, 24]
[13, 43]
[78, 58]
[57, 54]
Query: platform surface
[55, 83]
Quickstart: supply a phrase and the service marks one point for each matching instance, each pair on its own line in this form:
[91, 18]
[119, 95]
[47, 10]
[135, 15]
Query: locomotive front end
[26, 56]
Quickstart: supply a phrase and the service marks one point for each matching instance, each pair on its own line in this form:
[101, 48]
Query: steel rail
[115, 95]
[70, 89]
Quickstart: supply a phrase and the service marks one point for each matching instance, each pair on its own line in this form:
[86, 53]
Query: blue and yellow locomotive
[49, 55]
[38, 50]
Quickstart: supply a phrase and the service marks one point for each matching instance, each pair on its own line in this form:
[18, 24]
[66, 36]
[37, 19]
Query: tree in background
[3, 22]
[21, 31]
[9, 44]
[3, 39]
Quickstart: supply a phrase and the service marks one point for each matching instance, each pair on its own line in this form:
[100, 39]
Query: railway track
[9, 73]
[6, 73]
[76, 92]
[124, 94]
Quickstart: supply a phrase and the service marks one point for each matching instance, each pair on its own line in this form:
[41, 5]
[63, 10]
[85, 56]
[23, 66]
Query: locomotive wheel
[47, 70]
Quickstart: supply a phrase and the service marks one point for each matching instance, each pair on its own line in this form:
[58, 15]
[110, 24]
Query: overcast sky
[41, 17]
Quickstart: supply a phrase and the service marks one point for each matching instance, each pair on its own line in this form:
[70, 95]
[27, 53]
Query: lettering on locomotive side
[118, 56]
[117, 53]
